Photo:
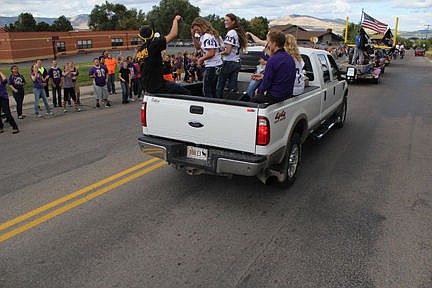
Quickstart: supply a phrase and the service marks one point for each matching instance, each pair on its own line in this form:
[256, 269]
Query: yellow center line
[78, 202]
[73, 195]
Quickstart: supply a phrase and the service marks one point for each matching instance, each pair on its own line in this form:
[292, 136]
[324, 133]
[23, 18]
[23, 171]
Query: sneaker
[20, 117]
[64, 110]
[125, 102]
[107, 104]
[15, 131]
[77, 109]
[1, 130]
[49, 113]
[97, 105]
[39, 116]
[131, 100]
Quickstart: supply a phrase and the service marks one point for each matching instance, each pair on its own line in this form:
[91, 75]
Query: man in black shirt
[150, 56]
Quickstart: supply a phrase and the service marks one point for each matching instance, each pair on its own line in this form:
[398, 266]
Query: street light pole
[427, 30]
[53, 41]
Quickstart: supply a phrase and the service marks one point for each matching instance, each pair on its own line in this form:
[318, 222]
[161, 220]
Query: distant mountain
[79, 22]
[416, 34]
[311, 23]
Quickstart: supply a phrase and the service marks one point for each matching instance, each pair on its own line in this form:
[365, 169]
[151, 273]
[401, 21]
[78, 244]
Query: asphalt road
[359, 214]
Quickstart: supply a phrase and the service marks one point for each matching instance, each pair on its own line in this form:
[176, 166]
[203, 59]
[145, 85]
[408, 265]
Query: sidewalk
[86, 93]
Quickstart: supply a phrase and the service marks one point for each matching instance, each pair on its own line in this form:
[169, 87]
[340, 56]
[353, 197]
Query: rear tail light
[143, 114]
[263, 131]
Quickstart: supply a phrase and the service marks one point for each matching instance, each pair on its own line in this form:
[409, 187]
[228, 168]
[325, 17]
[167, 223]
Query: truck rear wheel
[291, 161]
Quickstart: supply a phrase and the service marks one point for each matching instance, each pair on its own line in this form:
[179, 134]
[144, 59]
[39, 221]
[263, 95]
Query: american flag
[373, 24]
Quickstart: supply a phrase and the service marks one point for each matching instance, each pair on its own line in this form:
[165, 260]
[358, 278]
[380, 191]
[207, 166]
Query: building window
[84, 44]
[61, 47]
[117, 42]
[135, 41]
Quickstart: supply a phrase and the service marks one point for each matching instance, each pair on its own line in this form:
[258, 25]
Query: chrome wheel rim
[293, 160]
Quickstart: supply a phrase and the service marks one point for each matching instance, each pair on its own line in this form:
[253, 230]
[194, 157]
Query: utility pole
[427, 30]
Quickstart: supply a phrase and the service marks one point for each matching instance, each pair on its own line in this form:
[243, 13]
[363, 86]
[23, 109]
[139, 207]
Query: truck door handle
[325, 95]
[196, 109]
[196, 124]
[334, 90]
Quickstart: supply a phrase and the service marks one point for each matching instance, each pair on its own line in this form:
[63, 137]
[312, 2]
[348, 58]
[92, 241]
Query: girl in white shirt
[235, 41]
[292, 49]
[209, 44]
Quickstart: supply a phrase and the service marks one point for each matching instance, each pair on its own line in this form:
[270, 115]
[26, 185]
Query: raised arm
[256, 39]
[174, 29]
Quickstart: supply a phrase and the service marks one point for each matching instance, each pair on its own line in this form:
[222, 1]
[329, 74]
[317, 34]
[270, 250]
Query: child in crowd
[125, 81]
[256, 78]
[167, 68]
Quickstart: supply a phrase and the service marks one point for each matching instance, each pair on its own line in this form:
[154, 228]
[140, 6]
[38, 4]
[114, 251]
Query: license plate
[197, 153]
[350, 72]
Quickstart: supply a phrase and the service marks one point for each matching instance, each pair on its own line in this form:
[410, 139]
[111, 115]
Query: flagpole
[361, 18]
[346, 30]
[396, 30]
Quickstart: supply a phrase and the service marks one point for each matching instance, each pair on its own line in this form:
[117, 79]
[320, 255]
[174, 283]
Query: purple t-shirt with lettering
[37, 83]
[55, 74]
[100, 75]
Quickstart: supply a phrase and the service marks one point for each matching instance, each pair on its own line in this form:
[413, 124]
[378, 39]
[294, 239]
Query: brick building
[26, 46]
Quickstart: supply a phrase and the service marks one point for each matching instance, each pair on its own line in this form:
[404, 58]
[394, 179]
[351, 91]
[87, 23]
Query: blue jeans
[230, 71]
[253, 85]
[40, 93]
[125, 90]
[56, 92]
[210, 80]
[19, 98]
[111, 85]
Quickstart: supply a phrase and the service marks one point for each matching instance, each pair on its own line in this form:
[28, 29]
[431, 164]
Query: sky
[413, 14]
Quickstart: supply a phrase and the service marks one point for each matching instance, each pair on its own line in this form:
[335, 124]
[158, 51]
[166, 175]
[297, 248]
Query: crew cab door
[338, 87]
[330, 85]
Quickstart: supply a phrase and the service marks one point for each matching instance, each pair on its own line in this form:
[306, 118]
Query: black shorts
[69, 93]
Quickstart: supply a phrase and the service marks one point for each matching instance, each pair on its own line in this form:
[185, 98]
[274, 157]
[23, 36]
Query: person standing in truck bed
[150, 57]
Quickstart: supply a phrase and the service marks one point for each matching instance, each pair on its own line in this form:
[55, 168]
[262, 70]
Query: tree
[217, 22]
[109, 16]
[352, 32]
[43, 26]
[9, 28]
[161, 16]
[61, 24]
[259, 26]
[25, 23]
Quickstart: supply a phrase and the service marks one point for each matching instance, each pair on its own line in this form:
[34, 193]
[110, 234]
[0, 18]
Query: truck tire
[341, 113]
[291, 161]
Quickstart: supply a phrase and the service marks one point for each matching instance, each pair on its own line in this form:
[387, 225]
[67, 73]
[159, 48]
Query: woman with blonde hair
[292, 49]
[209, 44]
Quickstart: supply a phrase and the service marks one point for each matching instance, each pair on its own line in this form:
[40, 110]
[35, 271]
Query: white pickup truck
[231, 137]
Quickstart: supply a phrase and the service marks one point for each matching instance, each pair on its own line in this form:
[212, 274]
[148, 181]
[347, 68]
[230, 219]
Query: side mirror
[340, 76]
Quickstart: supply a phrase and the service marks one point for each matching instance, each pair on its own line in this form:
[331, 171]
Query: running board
[324, 128]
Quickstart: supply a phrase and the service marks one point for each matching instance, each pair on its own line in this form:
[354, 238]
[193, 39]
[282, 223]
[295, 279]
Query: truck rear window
[308, 67]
